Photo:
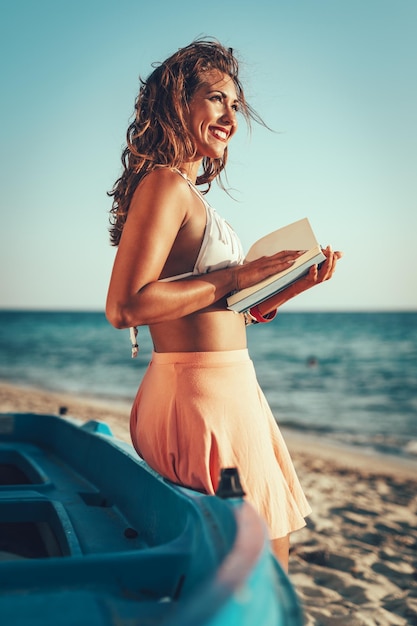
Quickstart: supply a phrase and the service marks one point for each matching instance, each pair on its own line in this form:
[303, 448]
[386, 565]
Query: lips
[220, 133]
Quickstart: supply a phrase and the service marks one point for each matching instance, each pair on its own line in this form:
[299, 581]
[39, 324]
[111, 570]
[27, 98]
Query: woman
[199, 407]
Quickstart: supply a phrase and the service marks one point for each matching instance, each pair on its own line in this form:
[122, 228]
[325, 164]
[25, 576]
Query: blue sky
[335, 79]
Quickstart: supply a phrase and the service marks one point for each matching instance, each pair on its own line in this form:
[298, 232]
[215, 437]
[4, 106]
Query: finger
[286, 255]
[331, 266]
[329, 250]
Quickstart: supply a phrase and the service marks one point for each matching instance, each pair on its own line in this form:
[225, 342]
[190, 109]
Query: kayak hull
[90, 534]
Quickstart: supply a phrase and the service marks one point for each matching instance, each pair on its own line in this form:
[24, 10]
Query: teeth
[221, 134]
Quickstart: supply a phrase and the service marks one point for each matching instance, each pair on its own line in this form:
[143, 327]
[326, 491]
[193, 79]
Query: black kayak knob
[229, 484]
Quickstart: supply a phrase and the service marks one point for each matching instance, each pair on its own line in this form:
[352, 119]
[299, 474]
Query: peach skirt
[198, 412]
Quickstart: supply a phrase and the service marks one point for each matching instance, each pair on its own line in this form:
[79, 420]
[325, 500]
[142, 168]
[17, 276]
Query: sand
[356, 561]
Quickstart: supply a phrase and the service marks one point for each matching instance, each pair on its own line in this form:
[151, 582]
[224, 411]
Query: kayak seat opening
[17, 469]
[35, 528]
[28, 540]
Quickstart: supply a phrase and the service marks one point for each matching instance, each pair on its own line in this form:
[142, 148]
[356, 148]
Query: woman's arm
[160, 209]
[163, 301]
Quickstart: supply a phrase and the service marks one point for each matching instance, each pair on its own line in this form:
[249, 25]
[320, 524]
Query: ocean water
[350, 377]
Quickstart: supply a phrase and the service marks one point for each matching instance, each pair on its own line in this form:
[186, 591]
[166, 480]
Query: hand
[315, 275]
[327, 267]
[253, 272]
[318, 274]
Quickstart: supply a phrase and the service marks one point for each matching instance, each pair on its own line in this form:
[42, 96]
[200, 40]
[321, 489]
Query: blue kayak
[89, 534]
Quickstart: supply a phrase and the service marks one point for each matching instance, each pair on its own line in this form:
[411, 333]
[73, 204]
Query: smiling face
[212, 115]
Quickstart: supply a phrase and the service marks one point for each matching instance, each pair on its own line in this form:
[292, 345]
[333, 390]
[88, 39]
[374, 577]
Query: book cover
[296, 236]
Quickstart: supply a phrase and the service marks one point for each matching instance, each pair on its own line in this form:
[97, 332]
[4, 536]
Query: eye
[216, 98]
[235, 107]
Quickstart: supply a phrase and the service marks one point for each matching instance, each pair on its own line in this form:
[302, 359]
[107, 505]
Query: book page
[296, 236]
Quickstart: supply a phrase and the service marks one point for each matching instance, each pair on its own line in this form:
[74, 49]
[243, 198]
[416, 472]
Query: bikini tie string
[135, 348]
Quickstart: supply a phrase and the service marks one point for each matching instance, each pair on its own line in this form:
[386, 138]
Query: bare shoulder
[161, 200]
[163, 181]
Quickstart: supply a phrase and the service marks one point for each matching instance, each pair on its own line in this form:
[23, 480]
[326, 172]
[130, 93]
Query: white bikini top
[220, 248]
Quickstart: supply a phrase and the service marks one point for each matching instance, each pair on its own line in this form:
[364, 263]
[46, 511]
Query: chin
[216, 154]
[211, 152]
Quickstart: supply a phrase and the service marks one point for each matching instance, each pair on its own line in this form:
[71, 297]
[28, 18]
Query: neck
[191, 168]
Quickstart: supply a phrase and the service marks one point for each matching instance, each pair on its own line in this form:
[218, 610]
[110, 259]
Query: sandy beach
[356, 561]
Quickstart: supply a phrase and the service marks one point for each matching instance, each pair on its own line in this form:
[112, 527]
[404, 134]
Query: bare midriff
[209, 330]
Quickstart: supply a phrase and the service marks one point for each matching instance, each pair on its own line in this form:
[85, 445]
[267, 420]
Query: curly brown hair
[159, 136]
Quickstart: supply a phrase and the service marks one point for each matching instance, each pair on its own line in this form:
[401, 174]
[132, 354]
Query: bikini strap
[191, 185]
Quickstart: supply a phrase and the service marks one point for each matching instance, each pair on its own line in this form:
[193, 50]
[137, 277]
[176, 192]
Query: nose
[228, 116]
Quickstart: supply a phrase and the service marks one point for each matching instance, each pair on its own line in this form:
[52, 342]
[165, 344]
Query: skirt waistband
[201, 358]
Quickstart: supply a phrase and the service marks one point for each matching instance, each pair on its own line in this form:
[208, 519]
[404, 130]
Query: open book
[295, 236]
